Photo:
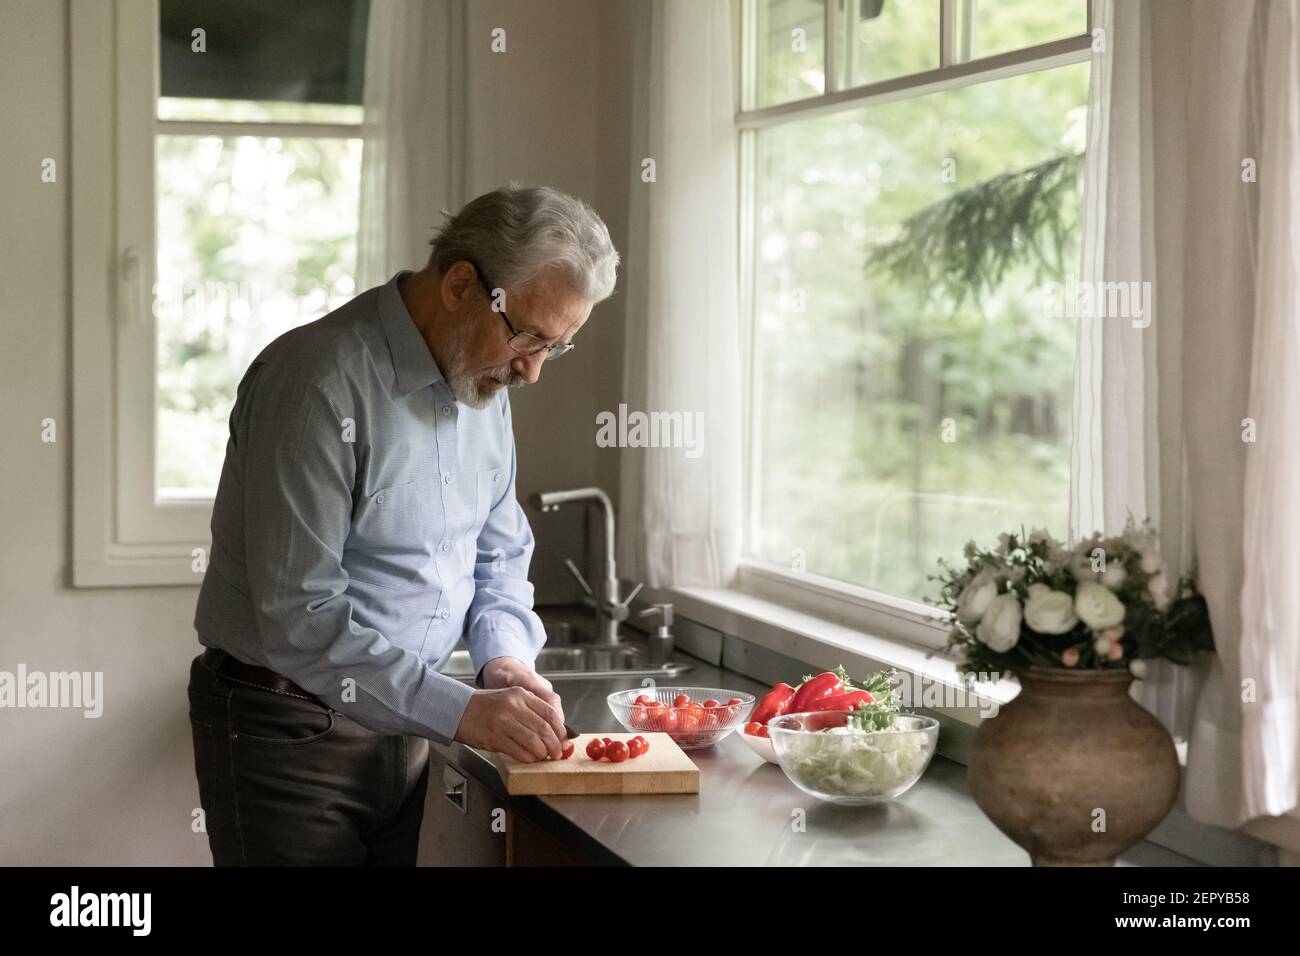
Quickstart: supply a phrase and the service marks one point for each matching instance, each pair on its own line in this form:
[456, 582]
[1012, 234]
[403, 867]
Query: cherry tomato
[688, 723]
[763, 731]
[595, 748]
[568, 751]
[616, 752]
[634, 748]
[639, 718]
[681, 700]
[666, 721]
[734, 701]
[752, 728]
[643, 699]
[710, 704]
[607, 742]
[645, 744]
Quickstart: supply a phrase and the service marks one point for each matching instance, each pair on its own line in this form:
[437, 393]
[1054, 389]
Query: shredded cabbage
[843, 761]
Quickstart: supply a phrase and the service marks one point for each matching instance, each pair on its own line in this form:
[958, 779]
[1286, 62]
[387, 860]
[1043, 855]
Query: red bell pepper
[774, 703]
[850, 700]
[824, 720]
[812, 691]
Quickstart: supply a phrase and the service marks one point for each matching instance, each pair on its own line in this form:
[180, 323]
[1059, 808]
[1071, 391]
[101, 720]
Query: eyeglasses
[523, 343]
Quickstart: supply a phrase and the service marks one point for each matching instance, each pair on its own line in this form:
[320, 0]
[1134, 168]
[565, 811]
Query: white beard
[475, 390]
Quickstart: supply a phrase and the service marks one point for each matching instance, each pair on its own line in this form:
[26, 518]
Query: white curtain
[1192, 186]
[680, 510]
[412, 164]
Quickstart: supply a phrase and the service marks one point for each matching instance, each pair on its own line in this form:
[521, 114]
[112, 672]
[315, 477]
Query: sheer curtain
[680, 513]
[412, 161]
[1192, 186]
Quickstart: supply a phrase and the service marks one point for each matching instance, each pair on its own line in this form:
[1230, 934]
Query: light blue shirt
[365, 520]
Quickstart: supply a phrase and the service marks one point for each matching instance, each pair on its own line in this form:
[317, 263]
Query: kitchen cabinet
[465, 821]
[469, 823]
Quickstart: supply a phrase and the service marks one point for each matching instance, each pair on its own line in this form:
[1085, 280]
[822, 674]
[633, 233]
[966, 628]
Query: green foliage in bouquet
[1106, 603]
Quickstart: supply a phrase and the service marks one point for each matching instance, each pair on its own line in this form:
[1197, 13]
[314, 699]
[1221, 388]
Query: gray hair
[517, 232]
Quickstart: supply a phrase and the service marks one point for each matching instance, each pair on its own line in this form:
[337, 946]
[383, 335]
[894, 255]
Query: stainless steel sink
[571, 654]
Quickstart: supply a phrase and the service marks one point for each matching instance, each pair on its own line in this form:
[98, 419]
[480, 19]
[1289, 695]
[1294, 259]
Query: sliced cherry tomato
[595, 748]
[568, 751]
[616, 752]
[763, 731]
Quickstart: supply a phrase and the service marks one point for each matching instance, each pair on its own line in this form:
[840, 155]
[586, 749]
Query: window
[258, 165]
[217, 158]
[905, 206]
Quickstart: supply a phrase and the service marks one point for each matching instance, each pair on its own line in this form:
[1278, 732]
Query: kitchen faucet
[611, 611]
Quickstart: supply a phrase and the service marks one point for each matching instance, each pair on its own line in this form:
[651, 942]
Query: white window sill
[930, 679]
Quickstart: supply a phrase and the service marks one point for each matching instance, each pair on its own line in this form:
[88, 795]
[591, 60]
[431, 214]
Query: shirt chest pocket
[387, 546]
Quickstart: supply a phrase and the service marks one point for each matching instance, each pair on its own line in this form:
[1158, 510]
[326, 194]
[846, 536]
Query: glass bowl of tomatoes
[693, 717]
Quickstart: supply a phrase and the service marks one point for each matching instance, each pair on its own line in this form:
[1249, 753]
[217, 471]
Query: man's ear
[456, 285]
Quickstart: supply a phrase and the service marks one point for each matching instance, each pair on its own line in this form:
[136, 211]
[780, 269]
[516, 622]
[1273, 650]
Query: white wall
[121, 789]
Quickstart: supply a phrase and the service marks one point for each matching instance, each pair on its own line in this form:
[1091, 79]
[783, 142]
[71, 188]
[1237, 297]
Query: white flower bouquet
[1105, 603]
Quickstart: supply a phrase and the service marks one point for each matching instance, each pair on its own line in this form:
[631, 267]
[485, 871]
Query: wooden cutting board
[664, 769]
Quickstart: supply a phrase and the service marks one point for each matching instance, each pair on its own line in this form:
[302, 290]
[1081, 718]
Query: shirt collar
[413, 363]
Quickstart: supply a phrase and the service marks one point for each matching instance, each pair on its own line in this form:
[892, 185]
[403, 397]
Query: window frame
[123, 533]
[876, 612]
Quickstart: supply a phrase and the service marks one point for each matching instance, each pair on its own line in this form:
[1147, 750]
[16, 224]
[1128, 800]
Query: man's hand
[512, 672]
[517, 714]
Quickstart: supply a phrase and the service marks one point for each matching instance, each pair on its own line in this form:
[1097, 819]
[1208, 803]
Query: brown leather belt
[222, 663]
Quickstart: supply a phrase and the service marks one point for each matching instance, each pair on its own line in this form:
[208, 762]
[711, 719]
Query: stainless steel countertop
[745, 812]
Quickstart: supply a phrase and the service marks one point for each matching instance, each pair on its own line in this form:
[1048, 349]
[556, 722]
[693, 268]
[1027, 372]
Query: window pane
[308, 52]
[898, 415]
[998, 26]
[255, 236]
[890, 38]
[790, 59]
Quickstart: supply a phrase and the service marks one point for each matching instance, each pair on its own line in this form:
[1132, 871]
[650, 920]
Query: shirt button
[447, 478]
[444, 614]
[496, 476]
[446, 409]
[379, 499]
[446, 546]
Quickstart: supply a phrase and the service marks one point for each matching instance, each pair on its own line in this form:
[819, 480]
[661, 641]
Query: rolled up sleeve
[298, 511]
[501, 620]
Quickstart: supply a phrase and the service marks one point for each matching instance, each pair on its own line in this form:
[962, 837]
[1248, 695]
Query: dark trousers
[286, 781]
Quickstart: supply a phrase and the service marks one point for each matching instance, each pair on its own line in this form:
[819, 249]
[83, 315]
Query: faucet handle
[628, 600]
[665, 609]
[573, 569]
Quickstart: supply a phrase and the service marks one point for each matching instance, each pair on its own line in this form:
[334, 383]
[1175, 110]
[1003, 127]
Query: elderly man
[365, 521]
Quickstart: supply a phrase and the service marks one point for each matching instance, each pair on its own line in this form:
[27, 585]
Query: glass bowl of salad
[692, 716]
[853, 759]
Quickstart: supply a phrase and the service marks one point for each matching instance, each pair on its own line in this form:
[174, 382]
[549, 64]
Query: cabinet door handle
[453, 787]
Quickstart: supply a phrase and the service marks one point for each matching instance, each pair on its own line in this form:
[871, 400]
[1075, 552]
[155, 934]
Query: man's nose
[530, 366]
